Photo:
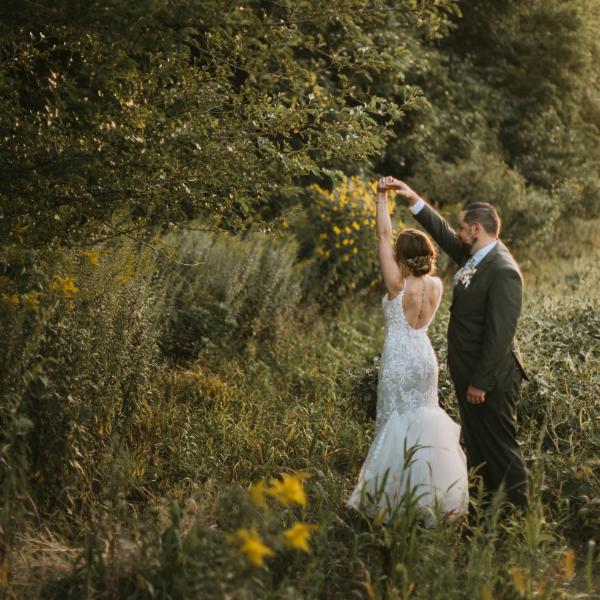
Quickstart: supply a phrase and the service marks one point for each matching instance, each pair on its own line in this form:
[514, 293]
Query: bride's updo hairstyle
[415, 249]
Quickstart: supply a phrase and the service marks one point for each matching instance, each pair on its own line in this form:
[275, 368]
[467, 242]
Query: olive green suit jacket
[482, 349]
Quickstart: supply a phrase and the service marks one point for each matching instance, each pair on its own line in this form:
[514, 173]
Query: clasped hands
[391, 183]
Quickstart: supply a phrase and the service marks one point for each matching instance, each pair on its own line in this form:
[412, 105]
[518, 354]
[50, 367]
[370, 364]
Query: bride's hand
[385, 184]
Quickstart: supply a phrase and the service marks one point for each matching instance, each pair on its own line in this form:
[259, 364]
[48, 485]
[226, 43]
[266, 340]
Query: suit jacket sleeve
[505, 298]
[437, 227]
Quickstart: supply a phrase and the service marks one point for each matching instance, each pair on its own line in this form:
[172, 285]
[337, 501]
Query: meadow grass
[203, 431]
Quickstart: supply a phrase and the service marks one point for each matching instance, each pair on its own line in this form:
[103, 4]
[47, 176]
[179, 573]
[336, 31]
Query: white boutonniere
[466, 276]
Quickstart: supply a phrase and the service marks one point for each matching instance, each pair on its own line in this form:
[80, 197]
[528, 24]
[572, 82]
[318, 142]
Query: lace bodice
[408, 373]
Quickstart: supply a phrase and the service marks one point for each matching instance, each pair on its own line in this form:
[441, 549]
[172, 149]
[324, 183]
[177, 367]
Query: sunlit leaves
[198, 109]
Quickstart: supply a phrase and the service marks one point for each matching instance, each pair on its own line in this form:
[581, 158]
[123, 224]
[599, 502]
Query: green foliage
[337, 233]
[78, 358]
[240, 291]
[281, 410]
[513, 88]
[129, 119]
[362, 400]
[529, 216]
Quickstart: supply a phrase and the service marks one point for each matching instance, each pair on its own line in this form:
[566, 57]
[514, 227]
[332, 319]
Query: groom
[483, 354]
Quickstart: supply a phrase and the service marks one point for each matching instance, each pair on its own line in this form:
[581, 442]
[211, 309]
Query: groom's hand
[475, 395]
[403, 190]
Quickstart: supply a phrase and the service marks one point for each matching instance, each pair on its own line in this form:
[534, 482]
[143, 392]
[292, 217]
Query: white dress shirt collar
[483, 252]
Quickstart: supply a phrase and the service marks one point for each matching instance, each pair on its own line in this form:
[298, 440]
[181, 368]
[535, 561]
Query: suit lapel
[480, 268]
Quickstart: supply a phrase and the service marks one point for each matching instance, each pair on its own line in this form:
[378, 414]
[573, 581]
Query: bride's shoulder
[436, 281]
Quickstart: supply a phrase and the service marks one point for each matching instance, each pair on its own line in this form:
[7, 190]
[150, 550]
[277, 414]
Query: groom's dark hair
[484, 214]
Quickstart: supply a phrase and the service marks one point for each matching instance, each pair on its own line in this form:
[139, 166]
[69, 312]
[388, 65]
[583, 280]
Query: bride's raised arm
[392, 274]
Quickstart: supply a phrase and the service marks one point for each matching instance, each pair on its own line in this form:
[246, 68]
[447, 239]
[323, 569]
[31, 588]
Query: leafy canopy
[127, 118]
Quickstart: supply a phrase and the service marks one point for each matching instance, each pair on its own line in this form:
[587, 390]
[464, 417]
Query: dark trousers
[490, 437]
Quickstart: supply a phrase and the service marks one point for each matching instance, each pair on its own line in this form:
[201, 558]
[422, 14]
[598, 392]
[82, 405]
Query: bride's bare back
[420, 300]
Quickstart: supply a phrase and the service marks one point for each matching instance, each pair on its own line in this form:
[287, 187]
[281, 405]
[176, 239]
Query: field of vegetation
[223, 472]
[190, 312]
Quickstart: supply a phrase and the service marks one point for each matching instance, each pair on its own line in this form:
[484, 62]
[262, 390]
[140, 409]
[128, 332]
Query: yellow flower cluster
[252, 546]
[30, 300]
[298, 535]
[287, 491]
[20, 233]
[93, 257]
[351, 209]
[65, 286]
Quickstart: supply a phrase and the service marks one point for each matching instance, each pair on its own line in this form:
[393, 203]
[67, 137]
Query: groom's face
[467, 234]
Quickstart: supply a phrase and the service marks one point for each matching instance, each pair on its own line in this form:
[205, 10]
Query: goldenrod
[252, 546]
[93, 257]
[297, 536]
[256, 492]
[287, 491]
[65, 286]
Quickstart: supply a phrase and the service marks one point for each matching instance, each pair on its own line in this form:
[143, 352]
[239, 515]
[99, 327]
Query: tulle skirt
[418, 450]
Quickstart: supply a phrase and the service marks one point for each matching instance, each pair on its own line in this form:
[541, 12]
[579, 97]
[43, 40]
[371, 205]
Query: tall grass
[201, 432]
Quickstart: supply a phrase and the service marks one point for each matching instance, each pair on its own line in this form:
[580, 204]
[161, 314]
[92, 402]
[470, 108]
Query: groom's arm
[505, 298]
[438, 228]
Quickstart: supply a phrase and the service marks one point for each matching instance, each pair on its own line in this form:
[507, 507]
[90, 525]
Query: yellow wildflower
[19, 232]
[252, 546]
[345, 242]
[256, 493]
[322, 215]
[287, 491]
[15, 299]
[30, 301]
[93, 257]
[297, 536]
[337, 246]
[346, 257]
[352, 241]
[65, 286]
[348, 230]
[355, 251]
[337, 230]
[122, 280]
[366, 222]
[356, 225]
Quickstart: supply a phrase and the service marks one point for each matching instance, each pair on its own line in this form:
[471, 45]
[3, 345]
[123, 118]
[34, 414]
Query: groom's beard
[467, 249]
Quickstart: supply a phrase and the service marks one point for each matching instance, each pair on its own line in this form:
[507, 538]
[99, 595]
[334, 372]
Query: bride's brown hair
[414, 248]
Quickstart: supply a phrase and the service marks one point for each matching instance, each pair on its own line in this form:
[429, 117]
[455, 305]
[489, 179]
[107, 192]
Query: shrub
[78, 357]
[529, 214]
[337, 232]
[238, 290]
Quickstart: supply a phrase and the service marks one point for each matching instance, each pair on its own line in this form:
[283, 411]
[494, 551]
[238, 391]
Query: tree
[128, 118]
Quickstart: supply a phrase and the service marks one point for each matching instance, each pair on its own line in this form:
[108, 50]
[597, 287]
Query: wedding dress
[408, 413]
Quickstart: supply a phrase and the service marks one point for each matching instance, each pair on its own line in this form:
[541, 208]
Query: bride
[415, 441]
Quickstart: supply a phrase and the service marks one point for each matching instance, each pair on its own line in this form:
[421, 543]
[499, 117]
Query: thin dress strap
[441, 288]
